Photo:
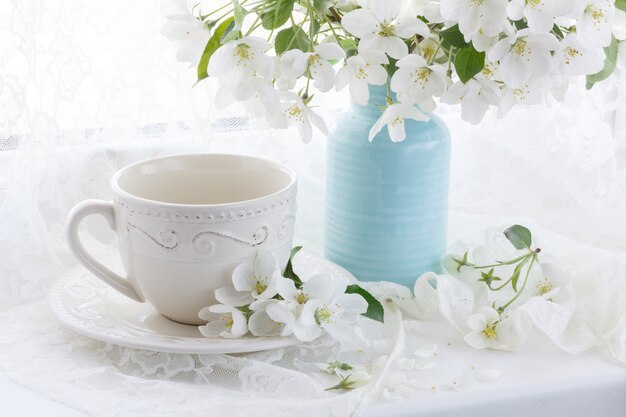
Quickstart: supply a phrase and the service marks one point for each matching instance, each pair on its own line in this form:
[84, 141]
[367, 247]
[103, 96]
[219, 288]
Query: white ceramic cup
[184, 222]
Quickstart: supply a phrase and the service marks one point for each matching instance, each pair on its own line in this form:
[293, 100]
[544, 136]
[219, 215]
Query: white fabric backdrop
[87, 87]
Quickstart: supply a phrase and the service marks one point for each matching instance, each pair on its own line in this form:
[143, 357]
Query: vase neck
[377, 101]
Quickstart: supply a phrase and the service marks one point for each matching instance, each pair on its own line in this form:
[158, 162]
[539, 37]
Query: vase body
[386, 203]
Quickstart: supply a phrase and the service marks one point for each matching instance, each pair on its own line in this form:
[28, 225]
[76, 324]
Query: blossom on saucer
[260, 322]
[289, 309]
[381, 27]
[257, 279]
[393, 117]
[336, 313]
[225, 321]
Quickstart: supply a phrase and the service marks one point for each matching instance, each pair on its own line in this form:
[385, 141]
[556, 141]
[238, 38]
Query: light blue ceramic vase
[386, 203]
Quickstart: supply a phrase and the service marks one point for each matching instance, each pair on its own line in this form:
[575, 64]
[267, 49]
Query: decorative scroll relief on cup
[204, 242]
[168, 239]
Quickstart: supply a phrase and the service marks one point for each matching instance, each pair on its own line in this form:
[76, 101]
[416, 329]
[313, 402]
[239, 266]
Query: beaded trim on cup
[217, 217]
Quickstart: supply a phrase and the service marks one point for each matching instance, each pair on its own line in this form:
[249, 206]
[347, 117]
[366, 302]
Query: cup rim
[117, 189]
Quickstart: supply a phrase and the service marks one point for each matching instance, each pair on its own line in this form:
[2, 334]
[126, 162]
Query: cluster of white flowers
[265, 303]
[479, 54]
[496, 294]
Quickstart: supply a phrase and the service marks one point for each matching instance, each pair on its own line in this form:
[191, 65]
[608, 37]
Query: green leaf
[609, 65]
[289, 272]
[239, 14]
[519, 236]
[322, 6]
[375, 310]
[212, 45]
[454, 37]
[469, 62]
[350, 46]
[520, 24]
[291, 38]
[516, 273]
[558, 32]
[276, 13]
[621, 4]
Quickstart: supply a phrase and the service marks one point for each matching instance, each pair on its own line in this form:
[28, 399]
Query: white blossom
[261, 323]
[288, 310]
[484, 18]
[419, 81]
[524, 55]
[224, 321]
[489, 330]
[475, 97]
[360, 71]
[594, 22]
[540, 15]
[393, 117]
[380, 27]
[293, 111]
[574, 58]
[190, 32]
[337, 314]
[285, 74]
[252, 281]
[241, 57]
[527, 94]
[318, 66]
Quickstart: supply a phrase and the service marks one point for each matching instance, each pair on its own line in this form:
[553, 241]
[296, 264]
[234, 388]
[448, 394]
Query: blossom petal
[385, 9]
[243, 277]
[396, 130]
[213, 329]
[231, 297]
[360, 23]
[261, 324]
[411, 26]
[378, 126]
[282, 312]
[286, 288]
[330, 51]
[306, 333]
[318, 287]
[359, 92]
[265, 265]
[476, 340]
[477, 322]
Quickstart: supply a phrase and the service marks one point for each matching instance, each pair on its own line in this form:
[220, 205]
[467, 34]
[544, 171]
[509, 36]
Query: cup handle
[107, 210]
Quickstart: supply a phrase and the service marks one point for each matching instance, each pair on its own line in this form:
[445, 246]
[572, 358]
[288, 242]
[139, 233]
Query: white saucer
[90, 307]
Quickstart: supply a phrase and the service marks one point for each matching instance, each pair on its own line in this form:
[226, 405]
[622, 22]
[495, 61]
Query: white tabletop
[536, 382]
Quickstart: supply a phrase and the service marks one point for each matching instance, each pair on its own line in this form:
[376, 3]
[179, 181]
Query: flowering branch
[473, 53]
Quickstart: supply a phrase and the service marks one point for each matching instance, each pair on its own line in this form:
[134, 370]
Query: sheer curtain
[89, 86]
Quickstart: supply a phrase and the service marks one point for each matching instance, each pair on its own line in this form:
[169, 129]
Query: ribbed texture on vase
[386, 203]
